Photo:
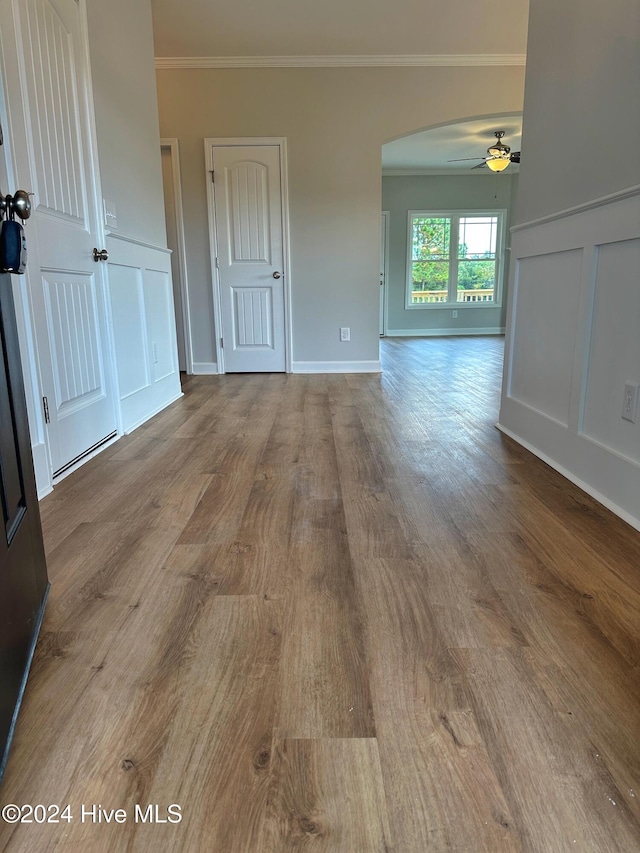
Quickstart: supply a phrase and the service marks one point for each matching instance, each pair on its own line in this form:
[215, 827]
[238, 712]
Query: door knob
[18, 204]
[277, 275]
[100, 255]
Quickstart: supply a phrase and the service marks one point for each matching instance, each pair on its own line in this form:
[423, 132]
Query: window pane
[430, 238]
[476, 281]
[429, 282]
[478, 237]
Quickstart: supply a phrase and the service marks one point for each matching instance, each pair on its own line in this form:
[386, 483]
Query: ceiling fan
[499, 155]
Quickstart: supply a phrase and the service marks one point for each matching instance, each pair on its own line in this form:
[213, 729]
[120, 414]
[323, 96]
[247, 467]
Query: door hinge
[221, 343]
[213, 180]
[217, 263]
[45, 405]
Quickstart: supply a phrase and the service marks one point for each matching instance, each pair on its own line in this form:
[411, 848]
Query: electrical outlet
[630, 402]
[454, 314]
[345, 333]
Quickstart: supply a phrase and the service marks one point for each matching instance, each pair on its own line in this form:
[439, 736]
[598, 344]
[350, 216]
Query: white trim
[581, 484]
[286, 254]
[84, 459]
[448, 60]
[174, 149]
[443, 333]
[281, 142]
[336, 367]
[621, 195]
[386, 215]
[604, 462]
[102, 274]
[116, 235]
[152, 414]
[204, 368]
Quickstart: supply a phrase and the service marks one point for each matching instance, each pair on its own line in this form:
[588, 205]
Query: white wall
[335, 121]
[447, 192]
[139, 269]
[574, 313]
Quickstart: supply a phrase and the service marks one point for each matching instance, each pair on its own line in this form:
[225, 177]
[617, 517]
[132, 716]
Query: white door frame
[281, 142]
[385, 302]
[173, 145]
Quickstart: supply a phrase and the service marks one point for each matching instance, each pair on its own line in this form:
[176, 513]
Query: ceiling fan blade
[460, 159]
[480, 165]
[515, 156]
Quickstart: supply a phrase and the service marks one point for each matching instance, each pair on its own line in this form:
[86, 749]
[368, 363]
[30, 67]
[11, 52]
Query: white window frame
[455, 216]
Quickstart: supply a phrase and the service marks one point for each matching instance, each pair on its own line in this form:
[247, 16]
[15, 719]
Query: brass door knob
[277, 275]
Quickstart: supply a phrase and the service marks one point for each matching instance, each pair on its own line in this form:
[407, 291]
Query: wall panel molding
[563, 401]
[143, 329]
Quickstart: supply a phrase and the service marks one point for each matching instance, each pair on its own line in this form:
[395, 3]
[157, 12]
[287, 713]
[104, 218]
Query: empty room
[319, 434]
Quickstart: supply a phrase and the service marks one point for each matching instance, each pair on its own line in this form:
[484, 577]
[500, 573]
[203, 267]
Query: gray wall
[581, 127]
[126, 105]
[434, 192]
[335, 121]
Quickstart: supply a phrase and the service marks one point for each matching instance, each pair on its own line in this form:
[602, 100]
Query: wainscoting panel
[572, 343]
[144, 331]
[615, 348]
[545, 300]
[161, 324]
[129, 329]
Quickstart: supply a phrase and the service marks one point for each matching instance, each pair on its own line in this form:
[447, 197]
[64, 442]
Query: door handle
[277, 275]
[100, 255]
[18, 204]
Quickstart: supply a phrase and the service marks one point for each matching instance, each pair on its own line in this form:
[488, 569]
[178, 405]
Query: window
[454, 258]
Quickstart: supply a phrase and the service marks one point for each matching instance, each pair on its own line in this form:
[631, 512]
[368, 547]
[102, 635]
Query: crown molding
[401, 60]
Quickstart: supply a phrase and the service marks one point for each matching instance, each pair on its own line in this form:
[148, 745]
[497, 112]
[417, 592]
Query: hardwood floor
[334, 613]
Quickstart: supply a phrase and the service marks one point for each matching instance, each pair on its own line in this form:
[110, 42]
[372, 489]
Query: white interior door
[44, 54]
[249, 239]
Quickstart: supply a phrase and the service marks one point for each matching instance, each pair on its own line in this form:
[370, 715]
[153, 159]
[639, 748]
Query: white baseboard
[442, 333]
[336, 367]
[594, 493]
[205, 368]
[42, 470]
[84, 459]
[148, 415]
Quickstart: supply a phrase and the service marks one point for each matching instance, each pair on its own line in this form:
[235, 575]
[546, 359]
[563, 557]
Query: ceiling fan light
[498, 164]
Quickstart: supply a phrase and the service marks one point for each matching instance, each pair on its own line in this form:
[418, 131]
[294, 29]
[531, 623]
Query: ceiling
[430, 150]
[223, 28]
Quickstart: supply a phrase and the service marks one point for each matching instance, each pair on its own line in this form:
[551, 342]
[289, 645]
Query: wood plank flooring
[334, 613]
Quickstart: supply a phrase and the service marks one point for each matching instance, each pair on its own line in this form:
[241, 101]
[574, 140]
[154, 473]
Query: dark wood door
[23, 573]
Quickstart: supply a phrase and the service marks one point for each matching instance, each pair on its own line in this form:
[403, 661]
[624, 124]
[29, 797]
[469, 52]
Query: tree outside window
[454, 258]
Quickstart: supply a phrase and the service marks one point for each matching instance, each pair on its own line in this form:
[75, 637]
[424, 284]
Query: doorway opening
[172, 186]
